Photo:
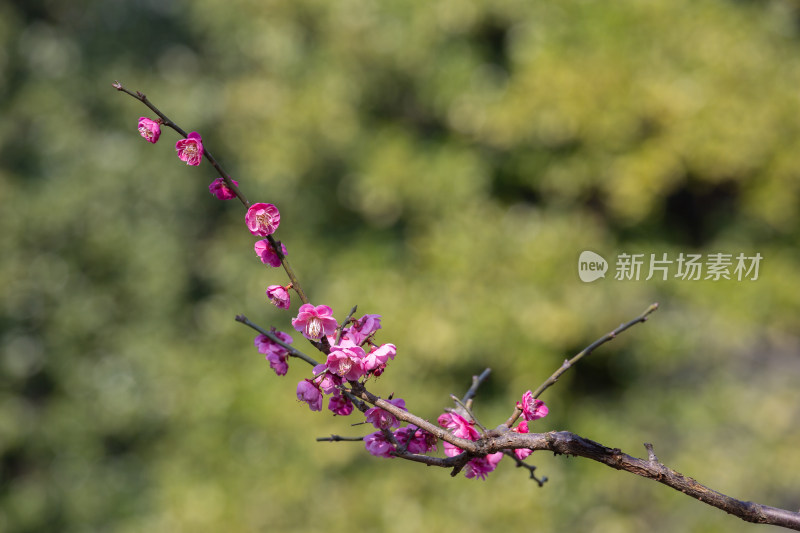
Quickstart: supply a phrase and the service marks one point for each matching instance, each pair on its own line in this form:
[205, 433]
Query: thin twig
[583, 353]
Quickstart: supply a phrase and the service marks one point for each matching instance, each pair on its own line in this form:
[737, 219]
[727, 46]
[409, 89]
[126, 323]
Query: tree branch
[566, 443]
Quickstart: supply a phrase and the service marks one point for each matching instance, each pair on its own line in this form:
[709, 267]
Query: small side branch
[294, 352]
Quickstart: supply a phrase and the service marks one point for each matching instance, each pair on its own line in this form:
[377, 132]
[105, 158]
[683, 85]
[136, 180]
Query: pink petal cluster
[190, 149]
[277, 355]
[149, 129]
[522, 453]
[266, 252]
[375, 361]
[279, 296]
[363, 328]
[480, 467]
[307, 391]
[314, 322]
[220, 189]
[459, 427]
[377, 444]
[262, 219]
[347, 362]
[420, 440]
[532, 409]
[384, 419]
[340, 404]
[327, 381]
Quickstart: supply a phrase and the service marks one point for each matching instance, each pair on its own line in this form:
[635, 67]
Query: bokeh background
[442, 164]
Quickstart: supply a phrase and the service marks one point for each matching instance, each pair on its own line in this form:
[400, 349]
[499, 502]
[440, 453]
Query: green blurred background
[441, 163]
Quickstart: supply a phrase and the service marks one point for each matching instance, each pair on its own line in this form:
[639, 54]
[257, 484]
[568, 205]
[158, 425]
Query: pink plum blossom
[364, 327]
[266, 252]
[279, 296]
[149, 129]
[459, 427]
[384, 419]
[266, 345]
[421, 440]
[346, 362]
[377, 358]
[279, 362]
[377, 444]
[308, 392]
[190, 149]
[220, 189]
[340, 404]
[262, 219]
[522, 453]
[328, 382]
[480, 467]
[532, 409]
[277, 355]
[314, 322]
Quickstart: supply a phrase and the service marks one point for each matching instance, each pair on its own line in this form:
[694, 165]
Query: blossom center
[314, 328]
[344, 366]
[264, 220]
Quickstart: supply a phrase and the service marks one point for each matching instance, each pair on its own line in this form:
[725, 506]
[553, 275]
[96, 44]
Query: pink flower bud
[190, 149]
[262, 219]
[149, 129]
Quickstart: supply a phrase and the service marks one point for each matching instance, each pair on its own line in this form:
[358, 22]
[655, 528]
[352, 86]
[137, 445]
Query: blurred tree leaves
[440, 163]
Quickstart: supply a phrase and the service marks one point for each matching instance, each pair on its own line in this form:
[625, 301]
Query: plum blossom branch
[169, 123]
[352, 357]
[231, 185]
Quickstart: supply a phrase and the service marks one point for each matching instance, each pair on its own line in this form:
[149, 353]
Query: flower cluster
[352, 356]
[480, 467]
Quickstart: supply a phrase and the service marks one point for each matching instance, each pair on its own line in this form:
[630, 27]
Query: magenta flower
[308, 392]
[522, 453]
[421, 440]
[340, 404]
[368, 324]
[532, 409]
[262, 219]
[220, 189]
[277, 355]
[149, 129]
[266, 252]
[279, 362]
[279, 296]
[480, 467]
[376, 359]
[346, 362]
[266, 345]
[377, 444]
[384, 419]
[459, 427]
[190, 149]
[314, 322]
[327, 381]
